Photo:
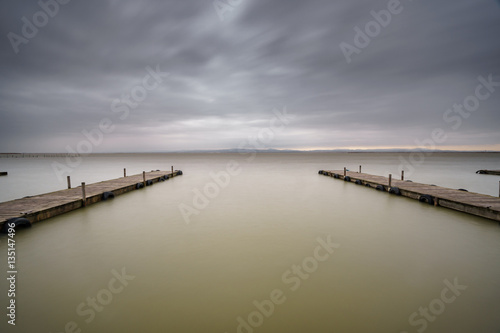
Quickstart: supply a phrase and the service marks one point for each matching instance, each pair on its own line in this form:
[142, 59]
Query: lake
[256, 243]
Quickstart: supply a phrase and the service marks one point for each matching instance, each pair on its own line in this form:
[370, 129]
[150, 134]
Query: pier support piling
[402, 175]
[345, 171]
[124, 172]
[69, 181]
[84, 196]
[144, 178]
[390, 181]
[360, 169]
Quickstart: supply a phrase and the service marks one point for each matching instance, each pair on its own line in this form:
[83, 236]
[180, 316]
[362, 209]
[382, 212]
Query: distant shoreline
[242, 151]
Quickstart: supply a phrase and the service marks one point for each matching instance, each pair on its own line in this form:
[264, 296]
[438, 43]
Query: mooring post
[390, 180]
[124, 172]
[345, 171]
[360, 169]
[144, 178]
[84, 197]
[402, 175]
[69, 181]
[172, 170]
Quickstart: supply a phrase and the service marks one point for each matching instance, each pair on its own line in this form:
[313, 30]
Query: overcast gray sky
[232, 64]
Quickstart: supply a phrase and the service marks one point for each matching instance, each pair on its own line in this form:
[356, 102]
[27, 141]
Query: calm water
[275, 247]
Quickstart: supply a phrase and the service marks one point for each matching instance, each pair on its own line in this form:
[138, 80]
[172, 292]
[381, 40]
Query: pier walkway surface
[458, 199]
[40, 207]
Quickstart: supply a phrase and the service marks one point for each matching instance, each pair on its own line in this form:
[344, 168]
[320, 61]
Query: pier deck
[468, 202]
[40, 207]
[489, 172]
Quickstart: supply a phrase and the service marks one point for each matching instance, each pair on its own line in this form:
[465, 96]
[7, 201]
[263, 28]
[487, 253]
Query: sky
[172, 75]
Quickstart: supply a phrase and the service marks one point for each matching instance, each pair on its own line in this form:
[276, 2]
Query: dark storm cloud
[226, 76]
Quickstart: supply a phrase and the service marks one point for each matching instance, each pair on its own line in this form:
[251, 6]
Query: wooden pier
[458, 199]
[488, 172]
[44, 206]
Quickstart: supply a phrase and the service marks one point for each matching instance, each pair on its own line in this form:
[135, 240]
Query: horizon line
[270, 150]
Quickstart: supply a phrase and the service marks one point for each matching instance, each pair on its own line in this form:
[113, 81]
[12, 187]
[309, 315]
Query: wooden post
[124, 172]
[172, 170]
[345, 171]
[390, 180]
[84, 197]
[69, 182]
[402, 175]
[360, 169]
[499, 188]
[144, 178]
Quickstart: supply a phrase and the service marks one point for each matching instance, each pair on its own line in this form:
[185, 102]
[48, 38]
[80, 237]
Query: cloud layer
[230, 65]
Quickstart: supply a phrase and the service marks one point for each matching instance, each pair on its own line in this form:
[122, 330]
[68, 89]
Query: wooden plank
[468, 202]
[40, 207]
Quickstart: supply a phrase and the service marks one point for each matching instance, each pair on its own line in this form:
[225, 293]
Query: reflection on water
[278, 248]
